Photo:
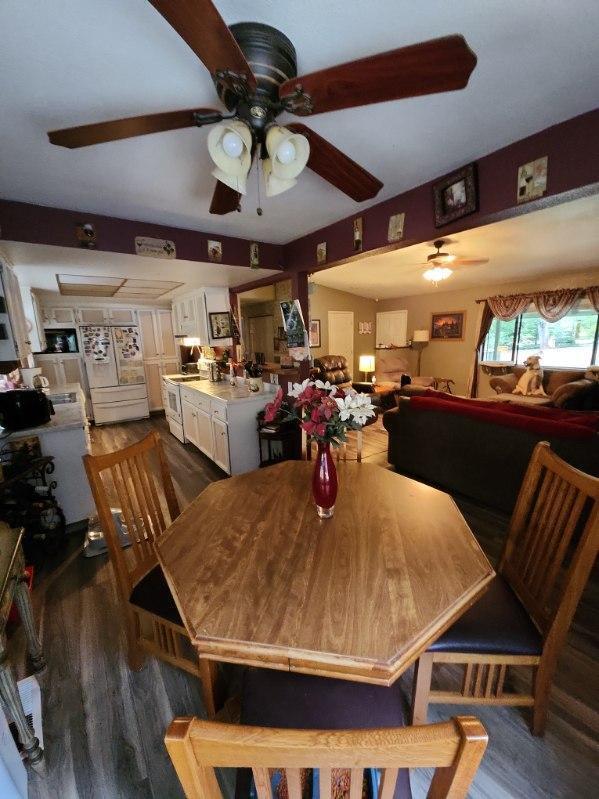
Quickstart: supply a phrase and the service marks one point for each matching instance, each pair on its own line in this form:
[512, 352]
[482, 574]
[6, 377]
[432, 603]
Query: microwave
[61, 339]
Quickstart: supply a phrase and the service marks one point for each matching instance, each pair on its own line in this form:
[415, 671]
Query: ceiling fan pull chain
[259, 208]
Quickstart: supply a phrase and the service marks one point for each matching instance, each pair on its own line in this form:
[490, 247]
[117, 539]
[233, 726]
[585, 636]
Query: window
[571, 342]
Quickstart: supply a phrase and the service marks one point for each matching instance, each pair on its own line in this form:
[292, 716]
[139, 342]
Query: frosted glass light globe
[232, 144]
[286, 152]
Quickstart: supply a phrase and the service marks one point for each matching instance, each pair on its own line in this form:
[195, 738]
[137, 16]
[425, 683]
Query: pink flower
[272, 408]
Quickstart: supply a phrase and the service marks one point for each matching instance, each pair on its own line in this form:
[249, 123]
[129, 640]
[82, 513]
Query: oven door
[173, 400]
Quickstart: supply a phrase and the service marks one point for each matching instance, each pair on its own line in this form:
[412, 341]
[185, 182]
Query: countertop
[223, 391]
[67, 416]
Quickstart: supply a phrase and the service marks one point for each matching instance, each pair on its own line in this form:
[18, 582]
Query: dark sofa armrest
[505, 384]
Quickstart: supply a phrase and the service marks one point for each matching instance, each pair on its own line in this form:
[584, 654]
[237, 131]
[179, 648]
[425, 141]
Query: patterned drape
[554, 305]
[484, 325]
[509, 307]
[551, 305]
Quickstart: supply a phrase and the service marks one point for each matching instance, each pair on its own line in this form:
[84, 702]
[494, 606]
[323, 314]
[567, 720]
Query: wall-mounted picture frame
[321, 253]
[215, 251]
[358, 231]
[220, 324]
[364, 328]
[314, 333]
[396, 226]
[532, 180]
[448, 326]
[456, 195]
[254, 255]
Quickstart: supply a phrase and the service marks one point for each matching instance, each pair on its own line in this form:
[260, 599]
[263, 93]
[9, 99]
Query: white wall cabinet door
[149, 340]
[58, 317]
[205, 438]
[122, 316]
[220, 453]
[166, 334]
[93, 316]
[190, 424]
[154, 385]
[392, 328]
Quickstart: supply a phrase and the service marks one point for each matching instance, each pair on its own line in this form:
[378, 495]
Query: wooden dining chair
[523, 618]
[138, 479]
[453, 748]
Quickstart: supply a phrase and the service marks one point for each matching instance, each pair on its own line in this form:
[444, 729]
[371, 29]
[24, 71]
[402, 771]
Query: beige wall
[323, 300]
[453, 359]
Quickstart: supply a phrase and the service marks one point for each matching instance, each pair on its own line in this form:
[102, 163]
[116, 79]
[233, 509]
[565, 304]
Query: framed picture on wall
[448, 326]
[456, 195]
[220, 324]
[314, 333]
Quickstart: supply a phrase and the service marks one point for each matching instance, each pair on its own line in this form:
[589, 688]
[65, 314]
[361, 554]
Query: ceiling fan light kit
[437, 274]
[254, 69]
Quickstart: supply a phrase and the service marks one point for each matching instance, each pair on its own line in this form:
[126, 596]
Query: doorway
[341, 335]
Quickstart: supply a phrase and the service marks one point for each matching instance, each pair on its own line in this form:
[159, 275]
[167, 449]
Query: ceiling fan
[438, 262]
[254, 69]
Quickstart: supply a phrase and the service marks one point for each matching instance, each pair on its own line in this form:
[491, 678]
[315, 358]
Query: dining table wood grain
[260, 580]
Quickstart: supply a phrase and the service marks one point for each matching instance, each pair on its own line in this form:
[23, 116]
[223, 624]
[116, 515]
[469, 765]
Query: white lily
[298, 388]
[325, 386]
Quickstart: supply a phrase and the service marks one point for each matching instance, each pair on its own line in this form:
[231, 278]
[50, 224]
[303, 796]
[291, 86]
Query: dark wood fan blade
[470, 261]
[199, 24]
[439, 65]
[224, 199]
[337, 168]
[85, 135]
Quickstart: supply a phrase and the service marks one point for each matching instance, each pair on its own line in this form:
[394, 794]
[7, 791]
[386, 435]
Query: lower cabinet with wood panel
[222, 426]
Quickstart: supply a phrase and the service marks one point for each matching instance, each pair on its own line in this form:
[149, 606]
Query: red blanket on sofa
[543, 421]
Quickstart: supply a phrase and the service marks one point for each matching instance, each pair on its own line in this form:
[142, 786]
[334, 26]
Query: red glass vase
[324, 481]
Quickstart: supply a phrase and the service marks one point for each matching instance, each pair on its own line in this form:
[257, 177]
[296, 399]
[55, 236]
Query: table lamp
[420, 340]
[366, 364]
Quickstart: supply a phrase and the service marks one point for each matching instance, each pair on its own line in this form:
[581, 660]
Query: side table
[13, 585]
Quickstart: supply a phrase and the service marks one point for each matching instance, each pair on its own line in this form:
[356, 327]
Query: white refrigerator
[114, 362]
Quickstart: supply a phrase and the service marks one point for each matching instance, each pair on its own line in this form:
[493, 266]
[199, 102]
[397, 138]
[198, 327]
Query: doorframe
[331, 315]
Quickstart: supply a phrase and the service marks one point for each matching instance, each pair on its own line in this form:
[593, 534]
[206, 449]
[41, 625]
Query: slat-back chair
[138, 479]
[454, 748]
[550, 549]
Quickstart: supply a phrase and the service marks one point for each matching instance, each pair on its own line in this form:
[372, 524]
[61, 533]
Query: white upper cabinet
[192, 315]
[93, 316]
[58, 317]
[122, 316]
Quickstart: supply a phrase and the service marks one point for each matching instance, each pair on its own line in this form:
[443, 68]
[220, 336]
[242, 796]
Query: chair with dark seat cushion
[496, 624]
[153, 595]
[524, 617]
[334, 369]
[137, 477]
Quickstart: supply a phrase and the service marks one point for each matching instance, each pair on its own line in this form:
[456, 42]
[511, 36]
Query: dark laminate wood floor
[103, 725]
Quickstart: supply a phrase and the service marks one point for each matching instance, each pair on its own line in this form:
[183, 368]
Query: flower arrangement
[324, 411]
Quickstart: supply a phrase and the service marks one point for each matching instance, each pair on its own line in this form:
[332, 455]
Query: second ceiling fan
[254, 69]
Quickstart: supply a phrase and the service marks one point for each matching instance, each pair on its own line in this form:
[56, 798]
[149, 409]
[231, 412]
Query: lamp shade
[288, 152]
[230, 147]
[421, 335]
[366, 363]
[275, 185]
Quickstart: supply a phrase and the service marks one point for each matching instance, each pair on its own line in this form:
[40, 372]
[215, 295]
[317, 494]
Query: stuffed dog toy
[531, 382]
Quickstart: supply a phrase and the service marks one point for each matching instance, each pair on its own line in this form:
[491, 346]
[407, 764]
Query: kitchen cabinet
[159, 351]
[192, 314]
[190, 424]
[104, 316]
[205, 438]
[220, 454]
[58, 317]
[65, 368]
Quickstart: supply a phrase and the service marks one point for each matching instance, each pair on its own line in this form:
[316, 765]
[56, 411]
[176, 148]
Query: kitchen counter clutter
[66, 438]
[220, 420]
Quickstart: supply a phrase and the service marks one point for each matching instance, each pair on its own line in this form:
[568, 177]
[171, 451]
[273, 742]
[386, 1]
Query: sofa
[481, 449]
[572, 389]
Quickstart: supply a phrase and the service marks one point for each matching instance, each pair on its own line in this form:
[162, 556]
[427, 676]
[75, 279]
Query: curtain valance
[551, 305]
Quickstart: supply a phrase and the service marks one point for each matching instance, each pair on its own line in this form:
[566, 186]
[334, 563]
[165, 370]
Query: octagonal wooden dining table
[260, 580]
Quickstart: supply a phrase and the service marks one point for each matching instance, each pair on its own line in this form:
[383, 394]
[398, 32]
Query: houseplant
[325, 413]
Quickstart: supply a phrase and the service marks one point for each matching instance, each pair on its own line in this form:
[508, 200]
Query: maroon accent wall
[573, 151]
[39, 224]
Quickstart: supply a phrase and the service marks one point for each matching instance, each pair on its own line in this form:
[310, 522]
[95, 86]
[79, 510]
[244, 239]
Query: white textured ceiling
[563, 238]
[37, 266]
[71, 62]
